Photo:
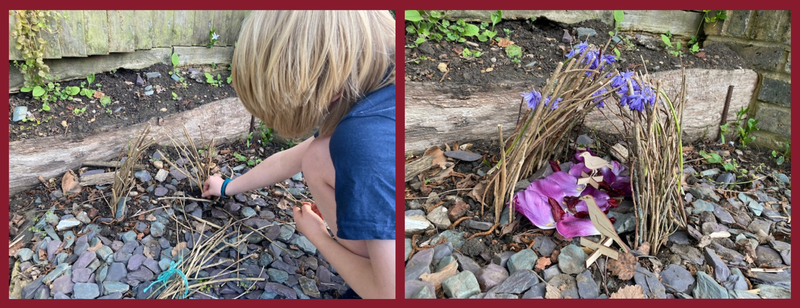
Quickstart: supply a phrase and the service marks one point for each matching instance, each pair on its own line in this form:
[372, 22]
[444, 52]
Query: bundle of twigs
[198, 163]
[543, 132]
[656, 164]
[202, 258]
[123, 178]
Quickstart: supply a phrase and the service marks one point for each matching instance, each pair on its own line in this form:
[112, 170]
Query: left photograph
[202, 154]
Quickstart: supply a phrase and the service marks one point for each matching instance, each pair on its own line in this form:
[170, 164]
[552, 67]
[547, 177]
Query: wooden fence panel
[96, 32]
[222, 20]
[70, 28]
[143, 29]
[237, 18]
[203, 22]
[52, 49]
[162, 28]
[13, 53]
[183, 23]
[121, 36]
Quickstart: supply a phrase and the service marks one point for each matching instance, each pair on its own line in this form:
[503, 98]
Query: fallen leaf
[96, 247]
[70, 183]
[552, 292]
[98, 94]
[624, 267]
[438, 157]
[644, 248]
[477, 192]
[42, 254]
[700, 54]
[436, 278]
[629, 291]
[508, 228]
[502, 42]
[542, 263]
[129, 83]
[177, 249]
[468, 182]
[12, 250]
[18, 219]
[284, 204]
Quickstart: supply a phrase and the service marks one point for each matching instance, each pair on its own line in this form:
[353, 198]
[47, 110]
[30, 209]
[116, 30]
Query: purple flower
[621, 80]
[543, 202]
[534, 97]
[618, 183]
[578, 50]
[597, 97]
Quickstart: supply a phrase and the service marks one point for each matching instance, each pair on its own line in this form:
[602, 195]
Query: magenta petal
[535, 206]
[600, 197]
[571, 226]
[567, 182]
[548, 188]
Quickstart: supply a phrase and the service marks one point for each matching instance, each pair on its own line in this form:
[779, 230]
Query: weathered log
[110, 164]
[51, 156]
[442, 113]
[418, 166]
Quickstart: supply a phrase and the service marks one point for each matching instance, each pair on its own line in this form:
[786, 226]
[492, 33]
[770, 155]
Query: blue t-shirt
[363, 152]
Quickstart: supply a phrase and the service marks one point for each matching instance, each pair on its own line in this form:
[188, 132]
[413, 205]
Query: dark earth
[129, 102]
[542, 49]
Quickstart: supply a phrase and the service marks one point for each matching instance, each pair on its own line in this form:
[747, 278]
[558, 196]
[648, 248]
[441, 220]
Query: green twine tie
[164, 276]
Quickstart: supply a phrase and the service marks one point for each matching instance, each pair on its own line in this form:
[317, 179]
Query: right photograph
[597, 154]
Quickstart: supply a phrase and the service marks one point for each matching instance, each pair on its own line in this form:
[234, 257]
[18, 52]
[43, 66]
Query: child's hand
[212, 186]
[308, 222]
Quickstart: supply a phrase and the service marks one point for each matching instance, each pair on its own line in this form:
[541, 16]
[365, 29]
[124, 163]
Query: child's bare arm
[372, 277]
[278, 167]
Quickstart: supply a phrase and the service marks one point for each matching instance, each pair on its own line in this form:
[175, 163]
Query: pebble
[442, 250]
[25, 254]
[160, 191]
[135, 262]
[477, 225]
[653, 288]
[116, 272]
[419, 264]
[84, 218]
[438, 216]
[298, 177]
[68, 223]
[710, 172]
[177, 174]
[742, 294]
[760, 225]
[755, 207]
[700, 206]
[56, 272]
[723, 215]
[408, 248]
[309, 287]
[736, 281]
[161, 175]
[721, 270]
[304, 244]
[276, 275]
[151, 75]
[587, 287]
[766, 256]
[572, 259]
[419, 289]
[140, 275]
[544, 245]
[81, 275]
[566, 283]
[708, 288]
[584, 140]
[724, 180]
[463, 155]
[770, 291]
[414, 213]
[517, 283]
[86, 291]
[458, 210]
[467, 264]
[523, 260]
[625, 222]
[677, 279]
[143, 176]
[474, 247]
[583, 33]
[157, 229]
[20, 112]
[491, 276]
[461, 285]
[148, 93]
[115, 286]
[704, 193]
[688, 253]
[248, 211]
[551, 272]
[62, 284]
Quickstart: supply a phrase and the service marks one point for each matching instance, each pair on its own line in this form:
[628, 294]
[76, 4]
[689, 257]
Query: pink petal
[600, 197]
[567, 182]
[576, 170]
[571, 226]
[548, 188]
[534, 205]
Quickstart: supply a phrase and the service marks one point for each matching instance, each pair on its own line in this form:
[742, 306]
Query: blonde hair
[289, 66]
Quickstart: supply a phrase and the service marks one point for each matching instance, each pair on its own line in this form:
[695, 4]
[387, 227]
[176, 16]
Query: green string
[173, 268]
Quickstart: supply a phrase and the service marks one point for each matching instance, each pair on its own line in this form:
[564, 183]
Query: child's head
[289, 66]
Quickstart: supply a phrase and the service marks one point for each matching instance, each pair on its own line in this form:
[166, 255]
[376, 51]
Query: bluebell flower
[596, 95]
[532, 98]
[621, 80]
[578, 50]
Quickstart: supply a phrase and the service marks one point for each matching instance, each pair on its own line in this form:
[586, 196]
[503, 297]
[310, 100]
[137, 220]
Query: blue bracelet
[224, 185]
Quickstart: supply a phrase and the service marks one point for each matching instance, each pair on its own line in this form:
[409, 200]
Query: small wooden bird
[601, 221]
[567, 39]
[594, 162]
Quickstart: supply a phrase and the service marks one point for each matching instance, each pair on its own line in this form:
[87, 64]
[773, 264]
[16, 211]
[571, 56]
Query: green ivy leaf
[471, 30]
[175, 59]
[38, 91]
[666, 40]
[619, 15]
[412, 16]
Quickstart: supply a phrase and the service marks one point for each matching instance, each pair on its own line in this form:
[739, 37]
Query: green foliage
[239, 157]
[781, 157]
[432, 25]
[746, 127]
[229, 79]
[26, 33]
[514, 52]
[72, 91]
[508, 32]
[105, 100]
[496, 18]
[723, 129]
[217, 82]
[79, 111]
[718, 15]
[619, 16]
[674, 50]
[213, 37]
[87, 92]
[174, 96]
[90, 79]
[175, 60]
[711, 158]
[486, 34]
[466, 53]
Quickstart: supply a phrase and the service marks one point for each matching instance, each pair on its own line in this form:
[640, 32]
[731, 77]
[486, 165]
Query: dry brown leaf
[468, 182]
[96, 247]
[542, 263]
[18, 220]
[644, 248]
[70, 183]
[436, 278]
[438, 157]
[508, 228]
[443, 175]
[624, 268]
[98, 94]
[284, 204]
[177, 249]
[552, 292]
[502, 42]
[629, 291]
[13, 249]
[477, 192]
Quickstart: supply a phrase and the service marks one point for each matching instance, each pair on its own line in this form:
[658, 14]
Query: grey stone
[708, 288]
[474, 247]
[248, 211]
[704, 193]
[273, 290]
[572, 259]
[438, 216]
[309, 287]
[141, 275]
[463, 155]
[276, 275]
[467, 264]
[419, 289]
[679, 237]
[477, 225]
[624, 222]
[160, 191]
[63, 285]
[700, 206]
[60, 295]
[676, 278]
[415, 213]
[151, 75]
[61, 269]
[408, 248]
[81, 275]
[86, 291]
[491, 276]
[116, 271]
[68, 223]
[770, 291]
[566, 283]
[304, 244]
[736, 281]
[721, 270]
[723, 215]
[416, 225]
[710, 172]
[454, 237]
[161, 175]
[523, 260]
[583, 34]
[768, 256]
[442, 250]
[587, 287]
[538, 291]
[725, 179]
[115, 286]
[28, 290]
[25, 254]
[461, 285]
[51, 232]
[164, 263]
[143, 176]
[775, 91]
[517, 283]
[135, 262]
[544, 245]
[653, 288]
[157, 229]
[298, 177]
[419, 264]
[20, 112]
[129, 236]
[688, 253]
[741, 294]
[755, 207]
[551, 272]
[502, 258]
